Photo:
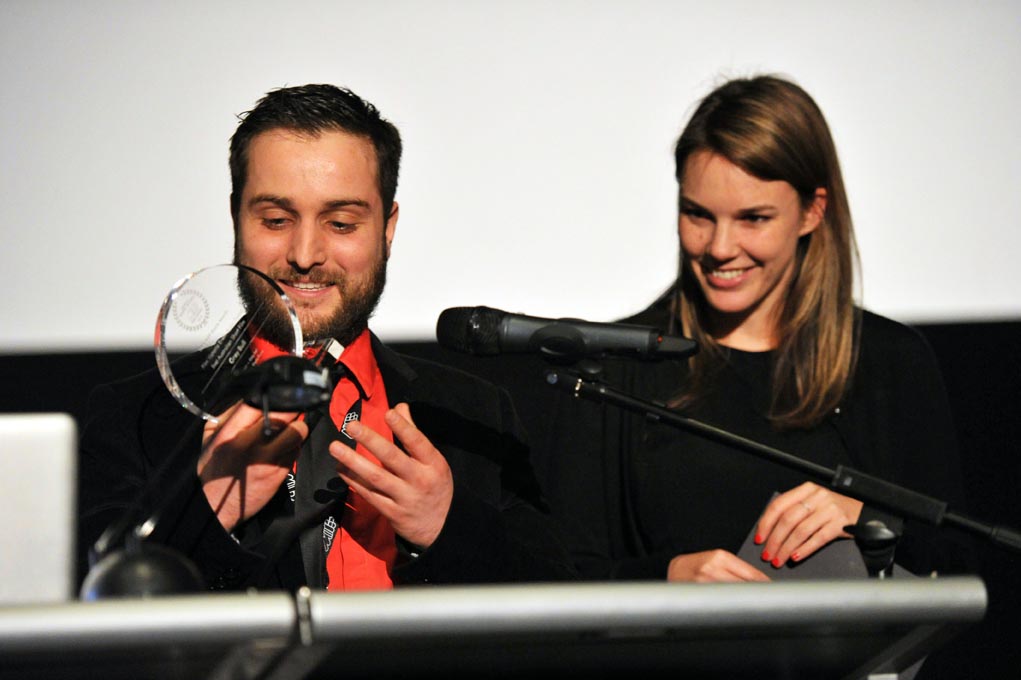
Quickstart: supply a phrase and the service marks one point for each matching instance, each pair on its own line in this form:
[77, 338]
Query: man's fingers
[292, 434]
[365, 474]
[384, 450]
[405, 412]
[416, 444]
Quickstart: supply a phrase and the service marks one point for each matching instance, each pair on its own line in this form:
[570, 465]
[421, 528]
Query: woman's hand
[799, 522]
[712, 566]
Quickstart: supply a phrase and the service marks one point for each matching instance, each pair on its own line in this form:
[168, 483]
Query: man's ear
[391, 227]
[814, 213]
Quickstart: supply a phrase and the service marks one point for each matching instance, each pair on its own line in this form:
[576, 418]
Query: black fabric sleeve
[136, 457]
[480, 543]
[904, 432]
[498, 528]
[581, 461]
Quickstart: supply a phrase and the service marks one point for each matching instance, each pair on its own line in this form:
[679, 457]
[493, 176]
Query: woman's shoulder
[881, 330]
[889, 343]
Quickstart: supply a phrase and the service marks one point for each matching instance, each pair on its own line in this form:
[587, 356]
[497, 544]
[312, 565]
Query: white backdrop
[538, 136]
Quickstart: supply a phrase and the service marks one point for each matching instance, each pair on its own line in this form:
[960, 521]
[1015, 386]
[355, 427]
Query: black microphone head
[472, 330]
[142, 570]
[285, 383]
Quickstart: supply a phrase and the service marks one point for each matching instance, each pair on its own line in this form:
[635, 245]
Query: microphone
[485, 331]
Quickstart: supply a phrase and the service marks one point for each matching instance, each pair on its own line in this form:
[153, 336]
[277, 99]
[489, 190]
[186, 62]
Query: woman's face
[740, 235]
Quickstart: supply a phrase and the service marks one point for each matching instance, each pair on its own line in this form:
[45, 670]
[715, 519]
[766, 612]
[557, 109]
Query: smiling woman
[740, 235]
[786, 359]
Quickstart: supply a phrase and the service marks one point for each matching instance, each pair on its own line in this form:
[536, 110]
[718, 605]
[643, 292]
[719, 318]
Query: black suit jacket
[497, 530]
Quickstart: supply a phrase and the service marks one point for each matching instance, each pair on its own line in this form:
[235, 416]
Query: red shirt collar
[359, 359]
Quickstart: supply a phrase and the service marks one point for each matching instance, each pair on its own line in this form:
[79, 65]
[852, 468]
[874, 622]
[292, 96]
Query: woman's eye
[696, 213]
[756, 219]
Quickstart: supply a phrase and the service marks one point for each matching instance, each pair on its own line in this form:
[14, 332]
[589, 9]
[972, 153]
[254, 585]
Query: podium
[853, 629]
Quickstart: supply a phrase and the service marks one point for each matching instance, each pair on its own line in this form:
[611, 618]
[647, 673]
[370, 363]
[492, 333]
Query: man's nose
[307, 248]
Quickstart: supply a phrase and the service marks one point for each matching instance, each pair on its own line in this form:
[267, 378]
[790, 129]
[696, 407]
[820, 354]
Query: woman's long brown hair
[773, 130]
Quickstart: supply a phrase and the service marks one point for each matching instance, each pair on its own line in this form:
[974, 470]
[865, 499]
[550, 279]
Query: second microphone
[485, 331]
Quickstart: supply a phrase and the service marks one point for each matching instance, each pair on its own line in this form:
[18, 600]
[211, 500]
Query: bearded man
[415, 473]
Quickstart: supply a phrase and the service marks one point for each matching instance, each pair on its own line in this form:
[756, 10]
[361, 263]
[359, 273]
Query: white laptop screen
[38, 452]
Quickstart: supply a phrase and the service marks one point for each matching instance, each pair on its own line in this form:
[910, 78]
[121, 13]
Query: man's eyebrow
[286, 203]
[340, 204]
[279, 201]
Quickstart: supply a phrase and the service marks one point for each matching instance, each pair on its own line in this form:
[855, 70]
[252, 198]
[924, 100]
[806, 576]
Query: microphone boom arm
[848, 481]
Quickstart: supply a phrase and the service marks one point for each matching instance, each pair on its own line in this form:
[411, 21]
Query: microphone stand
[141, 568]
[845, 480]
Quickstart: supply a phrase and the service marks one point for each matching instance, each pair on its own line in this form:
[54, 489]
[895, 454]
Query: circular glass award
[214, 326]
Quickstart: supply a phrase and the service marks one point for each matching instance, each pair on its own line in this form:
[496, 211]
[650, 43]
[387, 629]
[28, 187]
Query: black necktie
[320, 494]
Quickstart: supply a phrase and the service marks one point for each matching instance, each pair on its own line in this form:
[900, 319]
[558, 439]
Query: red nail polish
[758, 539]
[795, 556]
[776, 562]
[765, 556]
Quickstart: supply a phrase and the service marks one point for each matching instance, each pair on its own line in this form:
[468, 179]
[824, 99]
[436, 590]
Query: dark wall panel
[981, 363]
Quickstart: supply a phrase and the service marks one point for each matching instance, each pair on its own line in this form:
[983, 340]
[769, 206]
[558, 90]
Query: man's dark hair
[312, 109]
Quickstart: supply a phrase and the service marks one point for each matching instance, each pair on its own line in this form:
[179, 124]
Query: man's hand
[240, 468]
[412, 490]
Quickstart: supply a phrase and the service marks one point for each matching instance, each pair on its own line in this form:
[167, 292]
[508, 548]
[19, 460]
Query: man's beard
[345, 323]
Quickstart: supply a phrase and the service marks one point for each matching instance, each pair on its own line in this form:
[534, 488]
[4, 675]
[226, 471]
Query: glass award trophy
[224, 334]
[229, 332]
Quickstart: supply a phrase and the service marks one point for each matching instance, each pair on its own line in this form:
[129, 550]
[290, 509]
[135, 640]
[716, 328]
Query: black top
[633, 493]
[497, 528]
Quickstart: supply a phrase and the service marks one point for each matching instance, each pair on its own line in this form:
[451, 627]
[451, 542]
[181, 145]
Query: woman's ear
[814, 213]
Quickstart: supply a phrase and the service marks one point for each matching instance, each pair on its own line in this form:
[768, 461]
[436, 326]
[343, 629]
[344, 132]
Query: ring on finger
[806, 506]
